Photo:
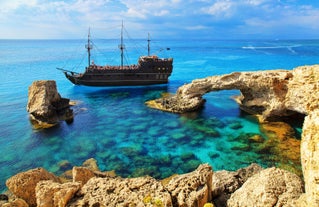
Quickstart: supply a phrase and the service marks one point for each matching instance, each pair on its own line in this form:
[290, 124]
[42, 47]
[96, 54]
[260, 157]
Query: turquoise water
[114, 126]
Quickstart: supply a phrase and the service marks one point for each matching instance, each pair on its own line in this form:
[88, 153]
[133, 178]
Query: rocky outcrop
[310, 157]
[270, 93]
[38, 187]
[122, 192]
[199, 188]
[49, 193]
[23, 184]
[268, 188]
[45, 105]
[82, 174]
[225, 183]
[192, 189]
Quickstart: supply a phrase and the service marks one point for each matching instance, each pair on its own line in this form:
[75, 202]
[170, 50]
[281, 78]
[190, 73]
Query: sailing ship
[149, 70]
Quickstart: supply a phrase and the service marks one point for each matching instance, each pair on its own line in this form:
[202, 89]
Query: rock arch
[271, 94]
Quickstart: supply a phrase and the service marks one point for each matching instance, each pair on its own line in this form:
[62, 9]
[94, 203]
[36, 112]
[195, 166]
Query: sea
[115, 127]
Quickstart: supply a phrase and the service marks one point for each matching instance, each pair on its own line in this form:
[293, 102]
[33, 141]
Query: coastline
[86, 185]
[296, 83]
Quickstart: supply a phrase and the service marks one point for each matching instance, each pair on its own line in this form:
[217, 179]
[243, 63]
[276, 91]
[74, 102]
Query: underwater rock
[45, 105]
[282, 143]
[64, 165]
[269, 187]
[257, 138]
[23, 184]
[235, 125]
[91, 164]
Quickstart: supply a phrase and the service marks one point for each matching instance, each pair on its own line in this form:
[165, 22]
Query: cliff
[269, 94]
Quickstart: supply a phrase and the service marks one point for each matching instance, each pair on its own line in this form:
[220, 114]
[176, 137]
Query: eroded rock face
[82, 174]
[23, 184]
[227, 182]
[192, 189]
[49, 193]
[45, 105]
[270, 93]
[270, 187]
[310, 157]
[123, 192]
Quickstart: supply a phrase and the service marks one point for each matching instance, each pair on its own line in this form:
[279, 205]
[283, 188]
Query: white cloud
[196, 27]
[220, 9]
[9, 5]
[69, 18]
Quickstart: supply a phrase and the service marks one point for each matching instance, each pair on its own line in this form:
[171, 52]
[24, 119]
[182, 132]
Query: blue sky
[217, 19]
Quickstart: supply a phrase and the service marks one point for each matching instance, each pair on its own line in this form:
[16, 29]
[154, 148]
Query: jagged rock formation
[268, 188]
[202, 187]
[225, 183]
[45, 105]
[23, 184]
[192, 189]
[88, 187]
[310, 157]
[272, 94]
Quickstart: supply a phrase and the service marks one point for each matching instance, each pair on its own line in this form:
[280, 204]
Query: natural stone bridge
[269, 93]
[272, 93]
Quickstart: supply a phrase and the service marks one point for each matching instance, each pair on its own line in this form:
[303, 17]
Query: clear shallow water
[114, 126]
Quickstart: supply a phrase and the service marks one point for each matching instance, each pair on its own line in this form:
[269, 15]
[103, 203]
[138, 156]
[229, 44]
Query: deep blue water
[114, 126]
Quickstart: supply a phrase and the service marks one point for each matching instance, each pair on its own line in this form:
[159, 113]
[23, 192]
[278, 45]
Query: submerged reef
[270, 94]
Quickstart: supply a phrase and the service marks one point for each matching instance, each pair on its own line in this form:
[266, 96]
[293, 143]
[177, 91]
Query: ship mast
[89, 47]
[148, 45]
[122, 47]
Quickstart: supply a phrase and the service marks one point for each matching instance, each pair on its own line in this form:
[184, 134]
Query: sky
[174, 19]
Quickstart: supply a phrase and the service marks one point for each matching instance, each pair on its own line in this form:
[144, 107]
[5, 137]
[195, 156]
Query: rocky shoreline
[268, 94]
[87, 186]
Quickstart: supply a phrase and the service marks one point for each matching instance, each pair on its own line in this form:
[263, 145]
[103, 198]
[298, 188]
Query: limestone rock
[49, 193]
[23, 184]
[91, 164]
[16, 203]
[45, 105]
[270, 187]
[226, 182]
[108, 191]
[270, 93]
[82, 174]
[310, 157]
[192, 189]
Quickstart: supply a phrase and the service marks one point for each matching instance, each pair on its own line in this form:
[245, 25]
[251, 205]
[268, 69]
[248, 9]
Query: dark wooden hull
[149, 71]
[118, 80]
